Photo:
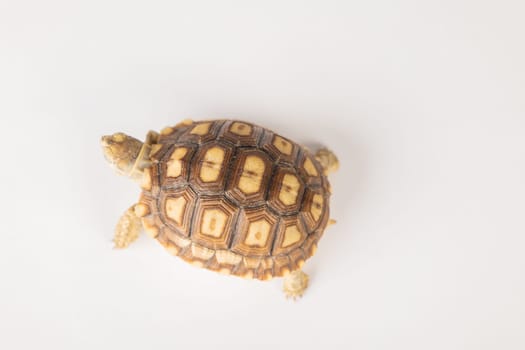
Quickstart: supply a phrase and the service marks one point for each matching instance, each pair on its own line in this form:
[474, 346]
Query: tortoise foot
[328, 160]
[128, 229]
[295, 284]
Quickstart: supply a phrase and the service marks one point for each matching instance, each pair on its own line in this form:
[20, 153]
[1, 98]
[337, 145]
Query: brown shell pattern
[235, 198]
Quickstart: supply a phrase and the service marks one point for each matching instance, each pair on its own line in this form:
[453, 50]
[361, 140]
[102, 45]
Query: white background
[423, 101]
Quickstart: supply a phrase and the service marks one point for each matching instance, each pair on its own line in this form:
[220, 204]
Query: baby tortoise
[227, 195]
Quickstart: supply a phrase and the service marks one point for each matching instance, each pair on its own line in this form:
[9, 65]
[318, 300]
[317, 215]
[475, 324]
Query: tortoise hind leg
[295, 284]
[127, 229]
[328, 160]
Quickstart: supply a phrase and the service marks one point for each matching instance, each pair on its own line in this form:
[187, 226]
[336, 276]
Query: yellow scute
[292, 235]
[212, 164]
[175, 209]
[213, 222]
[252, 174]
[289, 189]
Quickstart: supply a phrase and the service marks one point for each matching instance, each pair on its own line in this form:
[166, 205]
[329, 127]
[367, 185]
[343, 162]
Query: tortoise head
[127, 155]
[121, 151]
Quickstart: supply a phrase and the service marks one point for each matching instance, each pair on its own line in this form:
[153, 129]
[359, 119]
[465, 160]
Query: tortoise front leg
[128, 228]
[295, 284]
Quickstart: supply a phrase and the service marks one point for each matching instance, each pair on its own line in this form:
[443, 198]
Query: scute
[213, 222]
[240, 133]
[210, 166]
[177, 208]
[255, 232]
[280, 148]
[286, 191]
[249, 178]
[235, 198]
[174, 165]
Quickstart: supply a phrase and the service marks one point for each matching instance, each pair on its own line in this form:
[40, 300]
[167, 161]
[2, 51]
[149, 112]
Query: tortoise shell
[234, 197]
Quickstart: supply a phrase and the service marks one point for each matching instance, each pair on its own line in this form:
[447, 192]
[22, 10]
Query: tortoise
[228, 196]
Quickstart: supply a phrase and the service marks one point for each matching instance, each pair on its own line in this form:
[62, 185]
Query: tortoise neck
[143, 160]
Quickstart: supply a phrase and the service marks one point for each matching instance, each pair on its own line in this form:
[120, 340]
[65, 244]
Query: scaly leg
[128, 229]
[295, 284]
